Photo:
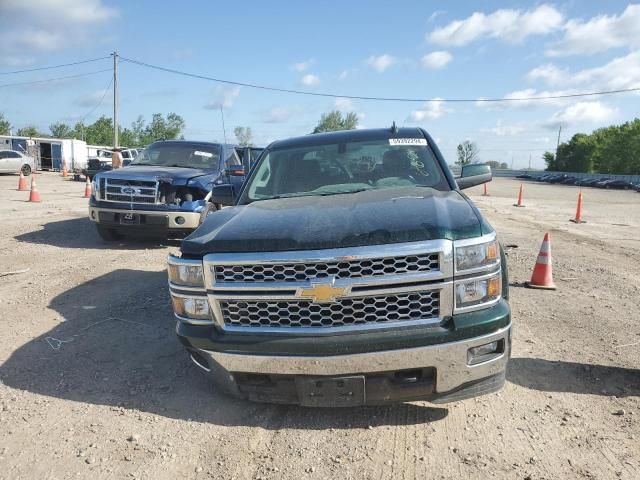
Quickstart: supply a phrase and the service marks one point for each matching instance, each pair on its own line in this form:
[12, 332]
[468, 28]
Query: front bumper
[438, 373]
[169, 220]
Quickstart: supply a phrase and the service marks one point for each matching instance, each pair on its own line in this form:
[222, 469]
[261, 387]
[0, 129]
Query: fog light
[482, 352]
[179, 220]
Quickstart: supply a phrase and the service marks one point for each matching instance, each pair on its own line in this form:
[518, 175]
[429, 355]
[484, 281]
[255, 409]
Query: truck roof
[359, 135]
[190, 142]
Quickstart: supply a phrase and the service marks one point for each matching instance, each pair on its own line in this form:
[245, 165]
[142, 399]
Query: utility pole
[529, 160]
[115, 99]
[558, 143]
[511, 162]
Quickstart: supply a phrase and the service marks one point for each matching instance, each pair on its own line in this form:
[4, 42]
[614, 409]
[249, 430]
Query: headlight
[482, 255]
[478, 292]
[186, 273]
[196, 308]
[95, 187]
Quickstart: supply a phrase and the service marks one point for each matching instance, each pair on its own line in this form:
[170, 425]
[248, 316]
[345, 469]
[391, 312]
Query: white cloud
[224, 97]
[278, 115]
[436, 60]
[42, 26]
[600, 33]
[344, 104]
[381, 62]
[582, 112]
[92, 99]
[435, 15]
[619, 73]
[502, 130]
[302, 66]
[506, 24]
[429, 111]
[344, 74]
[310, 80]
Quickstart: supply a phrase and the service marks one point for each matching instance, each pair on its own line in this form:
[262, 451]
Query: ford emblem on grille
[129, 190]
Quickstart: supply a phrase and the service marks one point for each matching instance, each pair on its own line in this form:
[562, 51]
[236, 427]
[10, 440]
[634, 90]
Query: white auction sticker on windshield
[407, 141]
[203, 154]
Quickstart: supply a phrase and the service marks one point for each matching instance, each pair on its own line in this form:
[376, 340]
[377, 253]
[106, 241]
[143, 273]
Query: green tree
[61, 130]
[28, 131]
[334, 121]
[504, 165]
[5, 125]
[550, 160]
[244, 136]
[467, 153]
[161, 128]
[99, 132]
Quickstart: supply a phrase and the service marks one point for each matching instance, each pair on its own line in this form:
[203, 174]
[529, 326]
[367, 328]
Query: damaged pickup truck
[350, 270]
[165, 190]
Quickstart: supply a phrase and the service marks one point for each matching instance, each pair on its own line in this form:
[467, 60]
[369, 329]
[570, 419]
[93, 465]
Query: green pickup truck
[349, 269]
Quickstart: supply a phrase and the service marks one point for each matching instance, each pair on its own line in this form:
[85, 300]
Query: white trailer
[49, 153]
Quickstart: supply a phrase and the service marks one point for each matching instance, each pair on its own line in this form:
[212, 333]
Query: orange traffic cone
[87, 188]
[34, 196]
[542, 276]
[22, 183]
[64, 168]
[485, 193]
[578, 218]
[519, 204]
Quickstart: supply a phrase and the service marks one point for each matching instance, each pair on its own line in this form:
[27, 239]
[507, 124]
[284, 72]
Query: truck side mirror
[236, 171]
[223, 194]
[475, 174]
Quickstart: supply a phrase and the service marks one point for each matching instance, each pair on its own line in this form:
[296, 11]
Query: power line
[106, 90]
[381, 99]
[46, 80]
[80, 62]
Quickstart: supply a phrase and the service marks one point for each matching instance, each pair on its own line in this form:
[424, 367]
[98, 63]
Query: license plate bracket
[331, 391]
[129, 218]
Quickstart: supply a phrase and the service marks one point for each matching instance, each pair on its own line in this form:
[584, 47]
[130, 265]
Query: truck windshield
[180, 155]
[344, 168]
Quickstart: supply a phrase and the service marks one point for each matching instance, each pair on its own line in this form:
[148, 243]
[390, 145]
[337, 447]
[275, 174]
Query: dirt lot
[94, 384]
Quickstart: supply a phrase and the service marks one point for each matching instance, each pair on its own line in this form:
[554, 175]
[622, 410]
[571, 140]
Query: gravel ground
[94, 383]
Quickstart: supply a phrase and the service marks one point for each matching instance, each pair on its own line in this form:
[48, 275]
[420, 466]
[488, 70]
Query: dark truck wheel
[109, 234]
[206, 211]
[26, 170]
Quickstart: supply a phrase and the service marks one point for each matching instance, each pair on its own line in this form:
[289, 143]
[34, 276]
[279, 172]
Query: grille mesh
[296, 272]
[125, 190]
[344, 312]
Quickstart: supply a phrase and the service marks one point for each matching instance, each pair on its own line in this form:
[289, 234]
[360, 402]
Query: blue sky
[414, 49]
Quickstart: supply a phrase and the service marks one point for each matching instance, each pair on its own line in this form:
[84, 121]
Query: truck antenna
[224, 130]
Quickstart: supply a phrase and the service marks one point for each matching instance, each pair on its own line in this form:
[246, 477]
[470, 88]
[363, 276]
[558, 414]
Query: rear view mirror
[236, 171]
[223, 195]
[475, 174]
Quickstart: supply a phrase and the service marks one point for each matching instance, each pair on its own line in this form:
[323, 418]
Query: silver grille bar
[130, 190]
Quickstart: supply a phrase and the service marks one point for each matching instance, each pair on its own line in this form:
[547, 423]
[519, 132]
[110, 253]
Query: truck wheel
[109, 234]
[26, 170]
[206, 211]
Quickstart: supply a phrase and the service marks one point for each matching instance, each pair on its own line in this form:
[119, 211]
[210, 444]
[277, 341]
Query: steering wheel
[341, 167]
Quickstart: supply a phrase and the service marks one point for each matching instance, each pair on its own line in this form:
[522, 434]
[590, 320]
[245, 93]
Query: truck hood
[374, 217]
[175, 175]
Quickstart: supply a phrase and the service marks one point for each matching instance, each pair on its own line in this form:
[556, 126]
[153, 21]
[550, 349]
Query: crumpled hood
[374, 217]
[175, 175]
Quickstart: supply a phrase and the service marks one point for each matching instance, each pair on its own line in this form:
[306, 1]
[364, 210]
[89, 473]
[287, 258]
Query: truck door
[233, 163]
[56, 156]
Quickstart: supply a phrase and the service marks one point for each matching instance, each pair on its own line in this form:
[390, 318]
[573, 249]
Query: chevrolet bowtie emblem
[322, 292]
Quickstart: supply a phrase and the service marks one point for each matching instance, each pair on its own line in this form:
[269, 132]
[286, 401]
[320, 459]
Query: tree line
[100, 132]
[614, 149]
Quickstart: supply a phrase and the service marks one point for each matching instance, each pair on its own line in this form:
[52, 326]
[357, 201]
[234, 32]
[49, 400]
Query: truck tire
[26, 170]
[109, 234]
[206, 211]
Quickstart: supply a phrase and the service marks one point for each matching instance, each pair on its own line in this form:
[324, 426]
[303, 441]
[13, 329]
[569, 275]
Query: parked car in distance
[601, 182]
[569, 181]
[12, 161]
[619, 184]
[587, 182]
[525, 176]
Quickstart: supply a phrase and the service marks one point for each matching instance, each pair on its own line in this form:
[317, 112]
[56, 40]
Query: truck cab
[164, 191]
[349, 269]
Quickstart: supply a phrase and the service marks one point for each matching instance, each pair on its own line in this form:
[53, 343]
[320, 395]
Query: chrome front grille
[129, 190]
[329, 291]
[380, 309]
[296, 272]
